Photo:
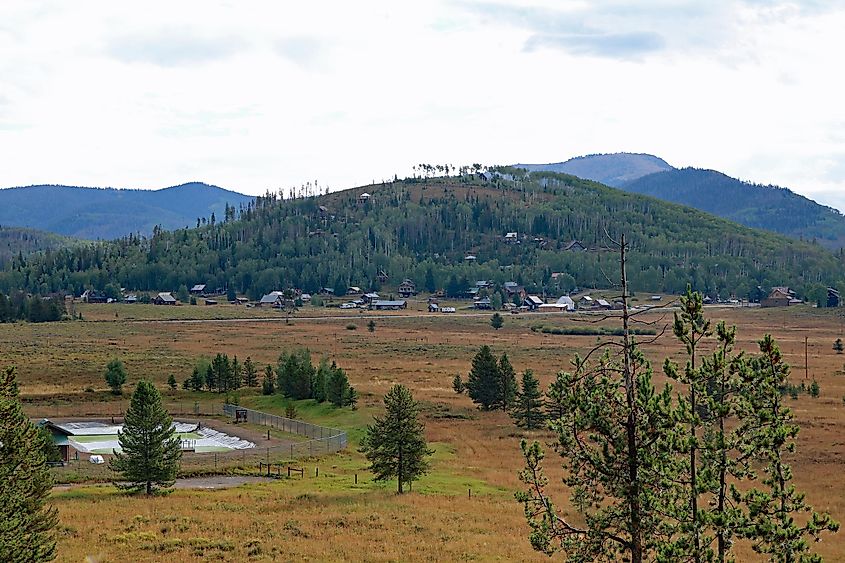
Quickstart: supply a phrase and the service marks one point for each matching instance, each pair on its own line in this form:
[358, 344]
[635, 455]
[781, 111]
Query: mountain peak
[613, 169]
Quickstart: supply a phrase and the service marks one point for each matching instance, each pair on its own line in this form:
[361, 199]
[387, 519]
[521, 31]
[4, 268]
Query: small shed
[198, 289]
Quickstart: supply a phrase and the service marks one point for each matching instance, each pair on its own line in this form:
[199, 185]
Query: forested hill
[610, 169]
[428, 230]
[763, 207]
[94, 213]
[17, 241]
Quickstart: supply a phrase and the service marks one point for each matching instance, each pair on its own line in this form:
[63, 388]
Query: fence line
[324, 439]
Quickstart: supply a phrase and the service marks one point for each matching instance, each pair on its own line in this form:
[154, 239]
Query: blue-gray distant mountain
[609, 169]
[764, 207]
[107, 213]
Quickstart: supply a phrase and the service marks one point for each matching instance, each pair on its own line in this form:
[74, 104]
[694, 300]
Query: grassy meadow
[330, 517]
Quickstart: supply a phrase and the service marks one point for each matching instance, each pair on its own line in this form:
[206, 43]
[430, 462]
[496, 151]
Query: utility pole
[806, 360]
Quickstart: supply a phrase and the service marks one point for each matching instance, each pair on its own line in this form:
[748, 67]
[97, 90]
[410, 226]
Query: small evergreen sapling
[458, 385]
[115, 376]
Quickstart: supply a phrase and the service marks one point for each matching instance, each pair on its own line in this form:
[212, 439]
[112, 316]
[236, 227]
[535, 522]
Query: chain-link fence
[321, 440]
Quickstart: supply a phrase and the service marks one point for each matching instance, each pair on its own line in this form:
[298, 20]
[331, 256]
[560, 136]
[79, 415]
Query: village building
[484, 303]
[272, 299]
[532, 302]
[511, 238]
[198, 289]
[407, 288]
[164, 298]
[93, 296]
[383, 305]
[574, 246]
[779, 297]
[353, 290]
[370, 297]
[513, 289]
[564, 303]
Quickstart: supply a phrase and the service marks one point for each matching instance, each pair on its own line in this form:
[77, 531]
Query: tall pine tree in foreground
[151, 452]
[26, 522]
[395, 443]
[613, 437]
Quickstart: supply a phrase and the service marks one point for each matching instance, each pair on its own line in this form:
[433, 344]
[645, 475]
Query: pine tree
[171, 382]
[691, 327]
[115, 376]
[371, 326]
[337, 386]
[507, 384]
[268, 385]
[395, 443]
[26, 522]
[236, 374]
[773, 528]
[483, 381]
[351, 398]
[614, 439]
[250, 373]
[555, 397]
[496, 321]
[458, 385]
[838, 346]
[528, 409]
[197, 380]
[150, 451]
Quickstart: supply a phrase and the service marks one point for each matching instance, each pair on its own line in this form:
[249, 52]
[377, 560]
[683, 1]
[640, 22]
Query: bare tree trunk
[635, 522]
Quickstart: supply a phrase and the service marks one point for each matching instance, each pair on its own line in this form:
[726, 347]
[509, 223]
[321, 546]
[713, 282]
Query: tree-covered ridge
[19, 241]
[763, 207]
[425, 229]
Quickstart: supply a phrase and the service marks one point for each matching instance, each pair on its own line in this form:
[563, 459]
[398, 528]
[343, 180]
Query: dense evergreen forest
[762, 207]
[18, 241]
[428, 229]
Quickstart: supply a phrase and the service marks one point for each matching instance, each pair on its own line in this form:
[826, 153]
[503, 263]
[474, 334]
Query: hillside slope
[93, 213]
[764, 207]
[609, 169]
[426, 229]
[17, 241]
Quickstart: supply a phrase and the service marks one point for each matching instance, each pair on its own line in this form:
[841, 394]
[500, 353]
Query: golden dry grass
[369, 522]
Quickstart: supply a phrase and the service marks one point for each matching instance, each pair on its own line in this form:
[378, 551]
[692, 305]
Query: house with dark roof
[574, 246]
[383, 305]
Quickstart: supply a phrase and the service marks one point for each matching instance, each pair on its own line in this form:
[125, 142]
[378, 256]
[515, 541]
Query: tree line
[35, 309]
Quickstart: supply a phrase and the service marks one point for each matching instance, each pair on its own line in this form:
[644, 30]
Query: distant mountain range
[107, 213]
[609, 169]
[771, 208]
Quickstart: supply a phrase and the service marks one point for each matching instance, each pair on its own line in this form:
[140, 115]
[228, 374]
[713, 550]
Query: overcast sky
[251, 95]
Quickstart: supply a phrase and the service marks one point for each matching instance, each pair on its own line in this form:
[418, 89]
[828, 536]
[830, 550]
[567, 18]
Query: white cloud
[267, 95]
